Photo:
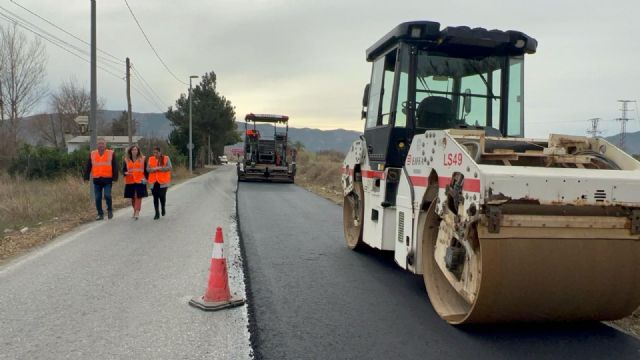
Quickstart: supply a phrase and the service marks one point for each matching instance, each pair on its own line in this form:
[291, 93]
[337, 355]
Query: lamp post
[190, 146]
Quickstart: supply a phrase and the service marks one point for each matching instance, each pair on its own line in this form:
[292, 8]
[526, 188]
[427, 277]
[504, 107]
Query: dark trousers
[159, 194]
[98, 190]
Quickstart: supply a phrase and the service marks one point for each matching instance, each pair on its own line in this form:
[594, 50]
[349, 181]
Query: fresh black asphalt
[313, 298]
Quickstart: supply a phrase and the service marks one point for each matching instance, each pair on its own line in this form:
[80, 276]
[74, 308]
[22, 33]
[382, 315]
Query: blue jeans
[97, 190]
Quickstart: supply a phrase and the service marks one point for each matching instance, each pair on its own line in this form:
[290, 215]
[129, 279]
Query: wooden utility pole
[129, 127]
[93, 123]
[93, 129]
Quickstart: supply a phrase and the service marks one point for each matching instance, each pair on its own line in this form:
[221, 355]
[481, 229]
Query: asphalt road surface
[312, 298]
[119, 289]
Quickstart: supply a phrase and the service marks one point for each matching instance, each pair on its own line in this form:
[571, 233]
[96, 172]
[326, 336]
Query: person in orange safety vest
[135, 181]
[102, 168]
[159, 169]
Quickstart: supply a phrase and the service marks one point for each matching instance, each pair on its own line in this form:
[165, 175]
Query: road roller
[502, 228]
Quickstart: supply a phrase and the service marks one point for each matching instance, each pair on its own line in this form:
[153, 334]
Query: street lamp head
[194, 77]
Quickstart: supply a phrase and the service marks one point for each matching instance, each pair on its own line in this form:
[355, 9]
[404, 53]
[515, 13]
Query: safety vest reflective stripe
[161, 177]
[135, 170]
[101, 164]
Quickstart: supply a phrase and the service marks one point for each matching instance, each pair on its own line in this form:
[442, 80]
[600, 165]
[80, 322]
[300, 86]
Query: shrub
[39, 162]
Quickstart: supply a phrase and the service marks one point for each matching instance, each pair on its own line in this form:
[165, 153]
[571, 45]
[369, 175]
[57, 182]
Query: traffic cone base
[217, 296]
[200, 303]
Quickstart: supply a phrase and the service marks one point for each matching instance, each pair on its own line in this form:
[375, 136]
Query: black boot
[157, 216]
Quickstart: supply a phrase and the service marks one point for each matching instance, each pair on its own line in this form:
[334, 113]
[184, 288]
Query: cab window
[379, 111]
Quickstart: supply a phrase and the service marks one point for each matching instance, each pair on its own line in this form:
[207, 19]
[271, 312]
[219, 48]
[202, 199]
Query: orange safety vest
[135, 170]
[162, 177]
[101, 164]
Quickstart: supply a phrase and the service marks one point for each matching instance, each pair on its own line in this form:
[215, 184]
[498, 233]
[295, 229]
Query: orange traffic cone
[217, 295]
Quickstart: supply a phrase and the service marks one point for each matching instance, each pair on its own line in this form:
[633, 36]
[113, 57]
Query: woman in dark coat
[135, 174]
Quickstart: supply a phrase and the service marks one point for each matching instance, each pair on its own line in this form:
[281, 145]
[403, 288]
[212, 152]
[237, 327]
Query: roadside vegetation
[320, 173]
[43, 196]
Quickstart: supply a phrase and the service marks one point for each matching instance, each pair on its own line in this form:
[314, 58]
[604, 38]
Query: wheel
[444, 298]
[353, 216]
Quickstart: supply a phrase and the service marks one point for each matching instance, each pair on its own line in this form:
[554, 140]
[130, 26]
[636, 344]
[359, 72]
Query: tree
[299, 146]
[120, 126]
[68, 102]
[22, 73]
[46, 127]
[213, 116]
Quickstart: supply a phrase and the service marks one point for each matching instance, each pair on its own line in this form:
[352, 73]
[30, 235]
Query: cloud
[306, 58]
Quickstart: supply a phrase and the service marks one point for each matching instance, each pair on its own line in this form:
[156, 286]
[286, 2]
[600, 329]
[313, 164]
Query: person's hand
[126, 173]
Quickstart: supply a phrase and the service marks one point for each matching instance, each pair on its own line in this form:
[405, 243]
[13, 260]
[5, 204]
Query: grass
[320, 173]
[51, 208]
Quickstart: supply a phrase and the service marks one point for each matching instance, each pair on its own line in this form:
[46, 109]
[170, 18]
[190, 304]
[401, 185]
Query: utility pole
[594, 132]
[623, 122]
[209, 157]
[190, 128]
[94, 96]
[93, 129]
[129, 127]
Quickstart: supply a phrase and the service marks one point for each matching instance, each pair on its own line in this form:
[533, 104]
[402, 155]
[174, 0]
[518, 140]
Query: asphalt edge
[252, 324]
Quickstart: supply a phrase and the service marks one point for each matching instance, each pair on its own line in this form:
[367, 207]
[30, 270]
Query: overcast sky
[306, 58]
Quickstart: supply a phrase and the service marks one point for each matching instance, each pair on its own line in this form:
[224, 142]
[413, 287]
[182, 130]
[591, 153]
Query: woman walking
[135, 187]
[159, 168]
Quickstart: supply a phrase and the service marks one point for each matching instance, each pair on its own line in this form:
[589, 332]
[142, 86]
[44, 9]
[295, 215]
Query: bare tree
[68, 102]
[21, 79]
[45, 126]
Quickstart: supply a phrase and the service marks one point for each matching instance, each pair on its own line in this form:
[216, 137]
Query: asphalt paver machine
[267, 156]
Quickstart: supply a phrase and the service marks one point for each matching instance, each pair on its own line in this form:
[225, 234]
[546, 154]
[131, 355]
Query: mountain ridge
[157, 125]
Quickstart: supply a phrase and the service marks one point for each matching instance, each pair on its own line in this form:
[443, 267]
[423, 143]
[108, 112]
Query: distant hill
[157, 125]
[312, 139]
[631, 142]
[149, 124]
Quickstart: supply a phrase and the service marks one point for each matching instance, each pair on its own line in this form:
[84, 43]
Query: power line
[61, 44]
[43, 33]
[149, 97]
[116, 59]
[69, 48]
[150, 45]
[563, 121]
[145, 83]
[76, 48]
[146, 98]
[22, 25]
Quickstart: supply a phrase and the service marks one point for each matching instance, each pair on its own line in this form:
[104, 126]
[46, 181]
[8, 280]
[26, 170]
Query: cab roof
[267, 118]
[455, 40]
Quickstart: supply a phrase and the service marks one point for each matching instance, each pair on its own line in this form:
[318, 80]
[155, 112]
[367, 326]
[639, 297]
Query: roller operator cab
[502, 228]
[267, 155]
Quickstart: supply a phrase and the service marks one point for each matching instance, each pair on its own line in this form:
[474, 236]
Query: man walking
[103, 169]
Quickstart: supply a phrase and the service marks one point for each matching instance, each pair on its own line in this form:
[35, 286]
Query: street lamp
[190, 126]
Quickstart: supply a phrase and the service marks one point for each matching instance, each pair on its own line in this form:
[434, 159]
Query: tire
[353, 217]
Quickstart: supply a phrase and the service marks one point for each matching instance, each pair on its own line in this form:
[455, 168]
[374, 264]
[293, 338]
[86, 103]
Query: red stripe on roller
[372, 174]
[471, 185]
[421, 181]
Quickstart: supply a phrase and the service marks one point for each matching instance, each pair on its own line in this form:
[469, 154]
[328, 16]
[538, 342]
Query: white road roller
[503, 228]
